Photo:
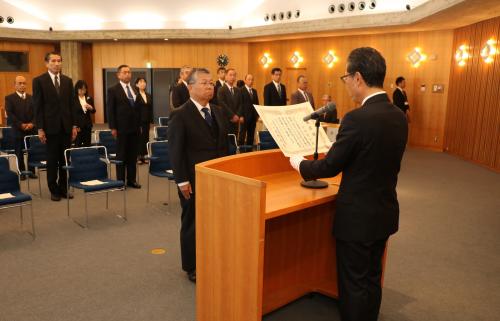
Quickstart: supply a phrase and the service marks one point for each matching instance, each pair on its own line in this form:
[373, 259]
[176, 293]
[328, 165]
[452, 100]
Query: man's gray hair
[193, 76]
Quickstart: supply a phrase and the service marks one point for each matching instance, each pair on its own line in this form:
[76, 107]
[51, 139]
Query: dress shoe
[134, 185]
[23, 177]
[55, 197]
[67, 195]
[34, 176]
[192, 276]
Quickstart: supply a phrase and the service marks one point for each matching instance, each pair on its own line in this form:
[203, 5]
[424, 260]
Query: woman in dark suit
[145, 104]
[83, 106]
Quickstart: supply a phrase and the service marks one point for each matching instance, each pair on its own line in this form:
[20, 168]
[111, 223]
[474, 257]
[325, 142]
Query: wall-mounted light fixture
[461, 55]
[416, 57]
[265, 60]
[489, 51]
[330, 59]
[296, 59]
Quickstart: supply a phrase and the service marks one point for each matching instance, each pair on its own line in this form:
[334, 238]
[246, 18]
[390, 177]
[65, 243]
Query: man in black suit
[55, 120]
[329, 116]
[368, 152]
[221, 80]
[275, 92]
[19, 108]
[124, 119]
[229, 98]
[249, 115]
[399, 97]
[200, 135]
[180, 93]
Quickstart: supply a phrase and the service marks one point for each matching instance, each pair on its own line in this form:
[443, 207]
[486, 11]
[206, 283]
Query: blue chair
[10, 190]
[7, 140]
[87, 170]
[37, 156]
[159, 163]
[160, 133]
[163, 121]
[266, 141]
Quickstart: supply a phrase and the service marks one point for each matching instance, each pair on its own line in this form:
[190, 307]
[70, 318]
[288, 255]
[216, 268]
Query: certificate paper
[293, 135]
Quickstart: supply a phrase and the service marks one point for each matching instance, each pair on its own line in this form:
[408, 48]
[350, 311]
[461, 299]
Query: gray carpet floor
[443, 264]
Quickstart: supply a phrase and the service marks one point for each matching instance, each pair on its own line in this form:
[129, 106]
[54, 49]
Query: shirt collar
[52, 76]
[248, 88]
[20, 94]
[276, 83]
[301, 91]
[124, 84]
[185, 83]
[374, 94]
[200, 106]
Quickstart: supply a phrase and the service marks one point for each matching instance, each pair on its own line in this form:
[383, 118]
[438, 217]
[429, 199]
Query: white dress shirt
[83, 103]
[124, 86]
[370, 96]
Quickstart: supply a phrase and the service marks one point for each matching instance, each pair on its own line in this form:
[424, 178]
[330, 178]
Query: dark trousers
[19, 146]
[188, 233]
[56, 175]
[144, 139]
[247, 129]
[359, 270]
[126, 151]
[84, 137]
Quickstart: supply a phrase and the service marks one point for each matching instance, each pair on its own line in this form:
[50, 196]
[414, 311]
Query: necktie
[305, 96]
[56, 83]
[250, 92]
[24, 96]
[208, 117]
[129, 96]
[231, 90]
[279, 89]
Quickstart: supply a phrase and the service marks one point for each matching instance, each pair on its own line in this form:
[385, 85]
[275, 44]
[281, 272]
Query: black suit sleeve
[283, 91]
[176, 144]
[177, 99]
[398, 99]
[338, 156]
[90, 101]
[111, 106]
[267, 95]
[9, 108]
[38, 103]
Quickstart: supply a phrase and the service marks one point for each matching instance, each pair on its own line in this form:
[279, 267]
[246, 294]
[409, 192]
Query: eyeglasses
[343, 78]
[207, 83]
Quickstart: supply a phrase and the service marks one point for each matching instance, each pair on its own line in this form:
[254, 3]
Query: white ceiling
[193, 14]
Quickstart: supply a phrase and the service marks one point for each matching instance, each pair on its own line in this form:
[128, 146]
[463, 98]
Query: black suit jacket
[247, 109]
[145, 108]
[399, 98]
[217, 86]
[123, 117]
[271, 96]
[230, 103]
[19, 111]
[368, 152]
[191, 142]
[83, 120]
[180, 94]
[54, 112]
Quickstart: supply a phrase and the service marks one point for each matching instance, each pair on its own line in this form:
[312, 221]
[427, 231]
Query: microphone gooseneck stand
[315, 183]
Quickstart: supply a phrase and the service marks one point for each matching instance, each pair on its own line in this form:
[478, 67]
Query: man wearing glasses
[368, 152]
[197, 132]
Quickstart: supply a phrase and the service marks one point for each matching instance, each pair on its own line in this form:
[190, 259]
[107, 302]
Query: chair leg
[107, 200]
[147, 193]
[86, 211]
[21, 216]
[39, 182]
[33, 234]
[137, 172]
[168, 209]
[124, 204]
[67, 201]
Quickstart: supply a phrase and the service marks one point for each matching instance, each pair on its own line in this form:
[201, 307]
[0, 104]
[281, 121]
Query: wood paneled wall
[473, 117]
[37, 52]
[428, 109]
[162, 55]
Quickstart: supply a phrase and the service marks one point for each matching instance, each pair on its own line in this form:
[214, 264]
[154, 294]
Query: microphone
[315, 115]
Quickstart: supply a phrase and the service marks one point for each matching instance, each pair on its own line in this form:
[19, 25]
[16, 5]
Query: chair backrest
[86, 163]
[266, 140]
[232, 144]
[163, 121]
[37, 151]
[159, 156]
[7, 140]
[106, 139]
[160, 132]
[9, 180]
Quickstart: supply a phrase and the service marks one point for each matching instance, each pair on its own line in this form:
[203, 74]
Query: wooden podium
[262, 240]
